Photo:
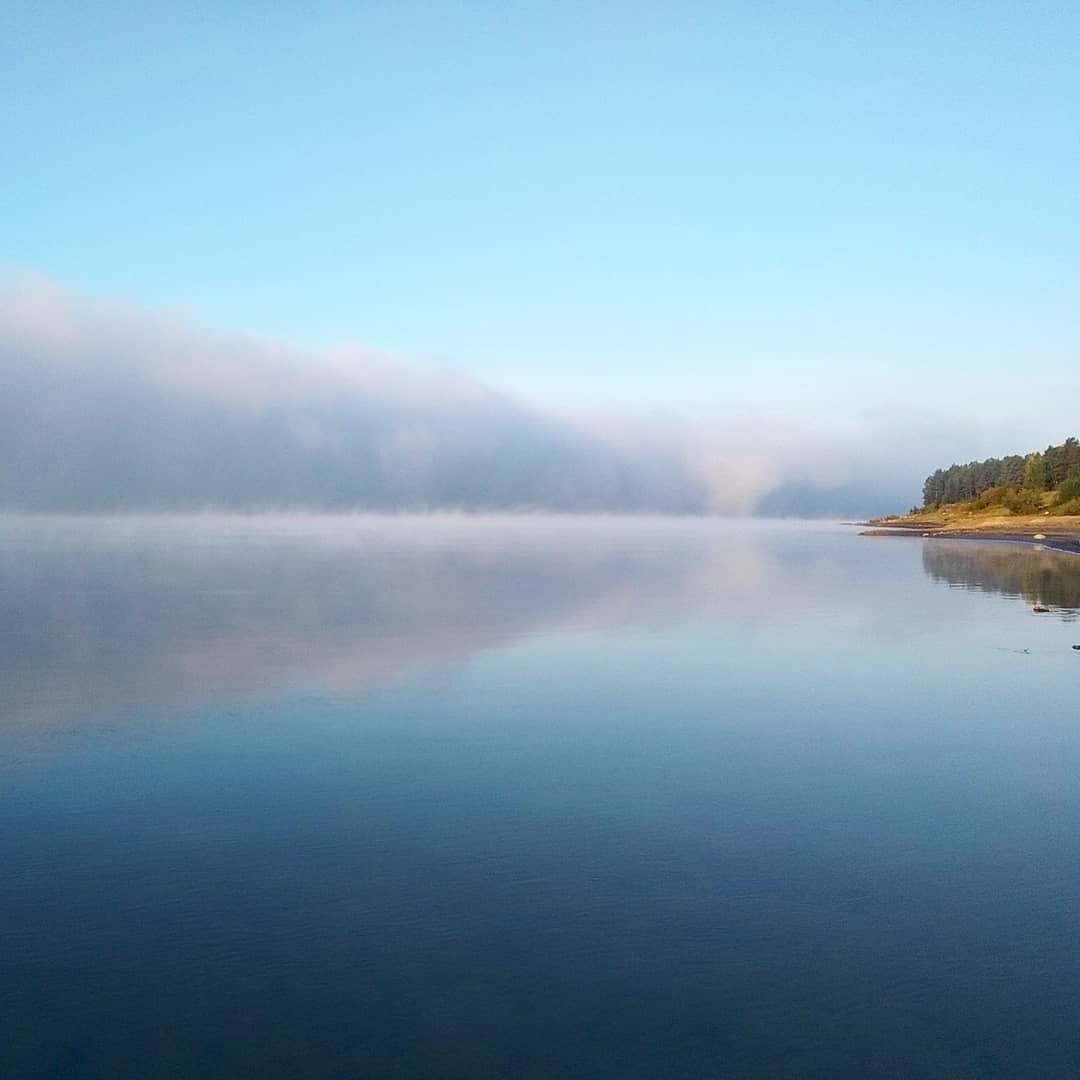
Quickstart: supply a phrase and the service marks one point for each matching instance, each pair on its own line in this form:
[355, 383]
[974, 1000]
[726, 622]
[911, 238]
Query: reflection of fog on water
[1039, 576]
[102, 613]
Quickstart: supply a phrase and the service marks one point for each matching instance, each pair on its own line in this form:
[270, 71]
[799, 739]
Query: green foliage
[1021, 501]
[1035, 472]
[1013, 498]
[1000, 481]
[1068, 506]
[990, 497]
[1070, 489]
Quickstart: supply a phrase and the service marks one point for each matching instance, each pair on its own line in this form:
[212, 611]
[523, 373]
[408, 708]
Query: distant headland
[1030, 497]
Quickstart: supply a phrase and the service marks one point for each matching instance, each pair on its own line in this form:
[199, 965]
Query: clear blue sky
[801, 206]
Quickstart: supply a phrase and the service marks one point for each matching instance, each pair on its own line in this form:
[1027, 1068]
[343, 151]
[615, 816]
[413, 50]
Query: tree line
[1057, 468]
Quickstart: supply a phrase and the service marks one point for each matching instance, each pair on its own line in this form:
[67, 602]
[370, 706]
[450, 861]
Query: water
[531, 798]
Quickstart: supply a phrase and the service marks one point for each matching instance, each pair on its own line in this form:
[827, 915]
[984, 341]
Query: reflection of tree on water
[1040, 577]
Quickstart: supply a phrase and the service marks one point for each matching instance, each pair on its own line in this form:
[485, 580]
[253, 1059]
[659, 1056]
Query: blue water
[534, 798]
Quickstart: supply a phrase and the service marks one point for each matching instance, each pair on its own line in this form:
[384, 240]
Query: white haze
[106, 406]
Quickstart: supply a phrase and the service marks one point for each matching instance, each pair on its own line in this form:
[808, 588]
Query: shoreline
[1067, 540]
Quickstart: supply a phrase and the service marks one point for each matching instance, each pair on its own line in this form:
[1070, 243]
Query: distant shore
[1059, 533]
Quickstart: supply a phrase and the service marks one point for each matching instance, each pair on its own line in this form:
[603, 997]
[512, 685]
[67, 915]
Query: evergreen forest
[1021, 483]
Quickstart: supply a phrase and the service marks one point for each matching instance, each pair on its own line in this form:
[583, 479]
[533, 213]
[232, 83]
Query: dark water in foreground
[525, 799]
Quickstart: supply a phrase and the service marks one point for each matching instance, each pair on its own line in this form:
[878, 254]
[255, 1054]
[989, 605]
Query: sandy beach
[1059, 533]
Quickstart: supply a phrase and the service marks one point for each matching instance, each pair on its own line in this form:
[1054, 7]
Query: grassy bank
[994, 520]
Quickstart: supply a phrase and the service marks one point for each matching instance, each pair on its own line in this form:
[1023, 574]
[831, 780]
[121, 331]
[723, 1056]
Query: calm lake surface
[527, 798]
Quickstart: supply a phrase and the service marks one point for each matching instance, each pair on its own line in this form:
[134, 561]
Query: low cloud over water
[106, 407]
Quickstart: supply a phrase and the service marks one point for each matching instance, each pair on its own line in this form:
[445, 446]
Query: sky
[837, 219]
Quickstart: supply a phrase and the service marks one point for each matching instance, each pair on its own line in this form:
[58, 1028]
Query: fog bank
[109, 407]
